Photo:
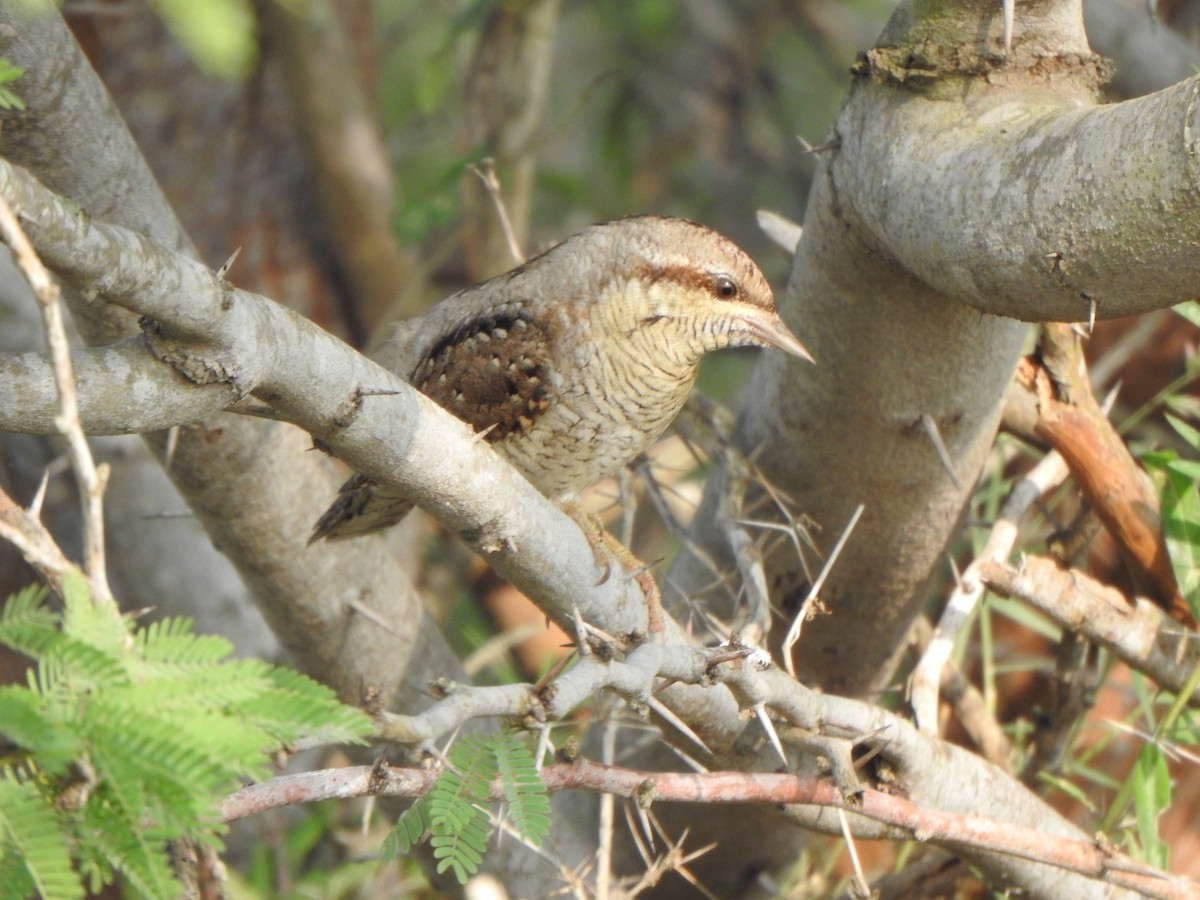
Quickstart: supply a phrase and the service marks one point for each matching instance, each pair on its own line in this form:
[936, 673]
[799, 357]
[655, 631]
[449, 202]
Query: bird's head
[677, 275]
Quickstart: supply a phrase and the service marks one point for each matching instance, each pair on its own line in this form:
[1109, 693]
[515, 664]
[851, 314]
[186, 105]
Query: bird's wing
[491, 371]
[487, 364]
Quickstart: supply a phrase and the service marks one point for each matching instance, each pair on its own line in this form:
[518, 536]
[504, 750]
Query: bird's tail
[362, 507]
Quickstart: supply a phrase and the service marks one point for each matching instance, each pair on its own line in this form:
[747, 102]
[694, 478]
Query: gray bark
[966, 191]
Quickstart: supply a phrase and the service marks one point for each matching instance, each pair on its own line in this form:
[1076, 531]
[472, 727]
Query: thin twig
[939, 446]
[375, 619]
[608, 752]
[782, 230]
[860, 887]
[1134, 629]
[25, 531]
[967, 703]
[90, 479]
[486, 172]
[1085, 857]
[924, 684]
[793, 633]
[764, 718]
[926, 677]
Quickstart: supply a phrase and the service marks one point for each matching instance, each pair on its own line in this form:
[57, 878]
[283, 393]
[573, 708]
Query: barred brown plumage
[579, 359]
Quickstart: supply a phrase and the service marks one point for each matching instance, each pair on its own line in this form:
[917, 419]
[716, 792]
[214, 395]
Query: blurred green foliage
[9, 97]
[652, 106]
[220, 34]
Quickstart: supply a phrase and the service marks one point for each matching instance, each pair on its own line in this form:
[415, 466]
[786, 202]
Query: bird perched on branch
[574, 363]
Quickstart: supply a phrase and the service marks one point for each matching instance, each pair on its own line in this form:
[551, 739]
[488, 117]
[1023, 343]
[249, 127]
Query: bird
[573, 363]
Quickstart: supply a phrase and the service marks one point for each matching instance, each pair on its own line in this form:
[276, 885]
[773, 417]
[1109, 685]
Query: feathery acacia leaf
[33, 848]
[128, 737]
[454, 813]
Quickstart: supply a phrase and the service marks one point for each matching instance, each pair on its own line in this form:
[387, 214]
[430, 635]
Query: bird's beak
[773, 333]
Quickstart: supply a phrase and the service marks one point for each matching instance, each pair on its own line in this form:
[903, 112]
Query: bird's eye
[725, 287]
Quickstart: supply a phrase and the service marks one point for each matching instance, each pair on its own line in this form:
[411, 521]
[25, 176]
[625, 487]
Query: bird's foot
[605, 547]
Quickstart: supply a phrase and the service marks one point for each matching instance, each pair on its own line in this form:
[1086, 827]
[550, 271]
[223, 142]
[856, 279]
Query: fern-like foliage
[454, 816]
[528, 805]
[125, 738]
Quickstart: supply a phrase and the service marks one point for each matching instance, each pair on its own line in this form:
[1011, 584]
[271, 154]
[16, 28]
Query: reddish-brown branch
[1070, 420]
[927, 825]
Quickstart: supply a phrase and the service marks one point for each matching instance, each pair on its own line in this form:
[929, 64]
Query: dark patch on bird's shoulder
[491, 372]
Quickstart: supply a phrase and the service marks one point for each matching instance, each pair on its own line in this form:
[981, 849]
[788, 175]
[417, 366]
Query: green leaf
[462, 850]
[31, 832]
[295, 706]
[1067, 787]
[133, 736]
[9, 99]
[529, 807]
[25, 624]
[432, 84]
[1181, 518]
[410, 828]
[1190, 311]
[1186, 431]
[25, 720]
[172, 641]
[137, 852]
[457, 819]
[1185, 467]
[1151, 797]
[15, 881]
[220, 34]
[1185, 729]
[96, 624]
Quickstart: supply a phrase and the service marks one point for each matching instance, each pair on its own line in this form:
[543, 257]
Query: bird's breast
[598, 419]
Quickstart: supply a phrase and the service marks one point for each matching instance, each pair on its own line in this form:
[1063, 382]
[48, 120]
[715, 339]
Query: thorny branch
[1090, 858]
[1141, 635]
[926, 678]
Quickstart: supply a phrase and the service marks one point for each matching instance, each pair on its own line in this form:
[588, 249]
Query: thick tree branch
[1050, 186]
[123, 389]
[960, 180]
[896, 352]
[214, 334]
[920, 207]
[72, 136]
